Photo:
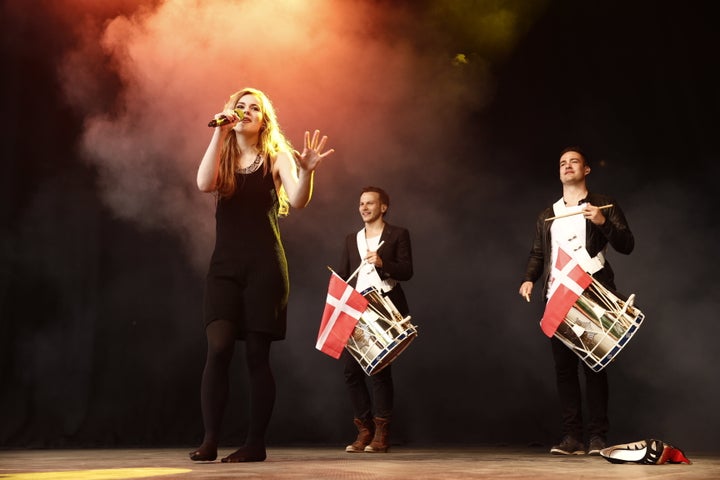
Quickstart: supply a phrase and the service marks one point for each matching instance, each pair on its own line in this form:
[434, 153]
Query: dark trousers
[568, 384]
[380, 404]
[357, 385]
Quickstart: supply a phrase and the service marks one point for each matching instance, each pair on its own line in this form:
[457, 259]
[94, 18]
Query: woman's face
[253, 118]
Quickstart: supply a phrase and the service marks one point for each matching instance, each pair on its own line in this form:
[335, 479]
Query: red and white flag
[569, 281]
[343, 308]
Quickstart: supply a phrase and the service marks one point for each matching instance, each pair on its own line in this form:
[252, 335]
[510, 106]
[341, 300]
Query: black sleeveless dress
[247, 282]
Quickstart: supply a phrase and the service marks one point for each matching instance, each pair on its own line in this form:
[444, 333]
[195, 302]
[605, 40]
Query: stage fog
[458, 109]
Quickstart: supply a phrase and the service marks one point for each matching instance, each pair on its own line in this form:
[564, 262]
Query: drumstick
[527, 297]
[364, 261]
[575, 213]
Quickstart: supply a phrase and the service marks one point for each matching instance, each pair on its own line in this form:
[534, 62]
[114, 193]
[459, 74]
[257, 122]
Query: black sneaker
[596, 444]
[568, 446]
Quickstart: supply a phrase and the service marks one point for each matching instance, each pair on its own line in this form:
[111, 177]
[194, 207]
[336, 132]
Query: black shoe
[568, 446]
[596, 444]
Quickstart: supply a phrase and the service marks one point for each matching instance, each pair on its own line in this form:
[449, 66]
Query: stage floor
[334, 463]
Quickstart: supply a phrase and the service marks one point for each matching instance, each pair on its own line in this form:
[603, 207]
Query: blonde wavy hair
[271, 141]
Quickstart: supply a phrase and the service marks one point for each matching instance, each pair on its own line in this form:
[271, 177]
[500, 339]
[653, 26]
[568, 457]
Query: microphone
[216, 122]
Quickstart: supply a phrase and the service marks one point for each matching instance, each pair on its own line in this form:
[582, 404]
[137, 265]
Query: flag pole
[356, 271]
[364, 261]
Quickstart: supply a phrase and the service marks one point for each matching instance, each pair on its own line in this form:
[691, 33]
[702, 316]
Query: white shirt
[367, 275]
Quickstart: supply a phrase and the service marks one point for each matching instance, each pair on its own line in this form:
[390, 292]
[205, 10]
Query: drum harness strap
[368, 275]
[572, 229]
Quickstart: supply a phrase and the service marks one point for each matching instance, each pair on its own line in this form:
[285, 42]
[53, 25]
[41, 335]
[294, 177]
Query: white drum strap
[368, 276]
[570, 232]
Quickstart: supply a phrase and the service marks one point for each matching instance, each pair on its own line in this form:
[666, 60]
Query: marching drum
[381, 333]
[599, 325]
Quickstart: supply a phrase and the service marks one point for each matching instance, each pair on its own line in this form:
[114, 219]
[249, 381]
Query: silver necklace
[252, 167]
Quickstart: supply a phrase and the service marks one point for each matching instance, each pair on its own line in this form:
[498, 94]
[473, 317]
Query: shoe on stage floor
[366, 431]
[380, 442]
[645, 452]
[596, 445]
[568, 446]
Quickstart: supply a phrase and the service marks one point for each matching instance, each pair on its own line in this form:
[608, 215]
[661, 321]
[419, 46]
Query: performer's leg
[262, 398]
[383, 392]
[357, 388]
[214, 387]
[361, 403]
[568, 385]
[597, 398]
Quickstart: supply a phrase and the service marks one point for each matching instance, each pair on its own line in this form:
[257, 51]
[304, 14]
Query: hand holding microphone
[225, 119]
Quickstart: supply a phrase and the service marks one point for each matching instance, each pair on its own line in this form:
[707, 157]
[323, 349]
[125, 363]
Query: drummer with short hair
[383, 254]
[599, 221]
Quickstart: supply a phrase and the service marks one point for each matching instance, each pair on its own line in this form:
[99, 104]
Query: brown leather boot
[365, 433]
[379, 442]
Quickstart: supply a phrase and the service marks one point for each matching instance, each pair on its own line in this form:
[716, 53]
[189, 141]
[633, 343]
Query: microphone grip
[217, 122]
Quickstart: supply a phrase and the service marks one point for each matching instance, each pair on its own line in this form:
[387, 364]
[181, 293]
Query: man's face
[572, 168]
[370, 207]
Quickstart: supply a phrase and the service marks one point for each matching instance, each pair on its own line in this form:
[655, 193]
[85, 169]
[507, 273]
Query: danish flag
[343, 308]
[569, 282]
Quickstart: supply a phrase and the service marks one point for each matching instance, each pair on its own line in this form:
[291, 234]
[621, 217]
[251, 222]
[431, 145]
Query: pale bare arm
[209, 165]
[208, 169]
[298, 184]
[296, 174]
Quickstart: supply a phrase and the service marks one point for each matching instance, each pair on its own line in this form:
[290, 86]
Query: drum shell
[599, 325]
[382, 333]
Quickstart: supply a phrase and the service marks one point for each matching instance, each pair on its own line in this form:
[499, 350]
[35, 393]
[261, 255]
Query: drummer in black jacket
[383, 269]
[600, 223]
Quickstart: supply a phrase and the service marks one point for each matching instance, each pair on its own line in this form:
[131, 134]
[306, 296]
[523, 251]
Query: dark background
[102, 264]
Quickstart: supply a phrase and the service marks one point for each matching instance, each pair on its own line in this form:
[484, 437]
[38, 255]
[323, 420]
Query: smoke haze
[384, 101]
[456, 108]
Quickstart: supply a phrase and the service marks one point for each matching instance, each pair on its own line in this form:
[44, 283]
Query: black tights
[221, 336]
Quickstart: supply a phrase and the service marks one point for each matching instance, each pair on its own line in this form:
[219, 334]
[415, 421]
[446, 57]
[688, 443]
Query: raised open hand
[312, 154]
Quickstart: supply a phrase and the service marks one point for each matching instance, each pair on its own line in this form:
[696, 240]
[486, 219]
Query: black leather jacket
[615, 231]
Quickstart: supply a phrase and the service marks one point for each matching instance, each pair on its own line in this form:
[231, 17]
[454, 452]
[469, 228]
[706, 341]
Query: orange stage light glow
[356, 70]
